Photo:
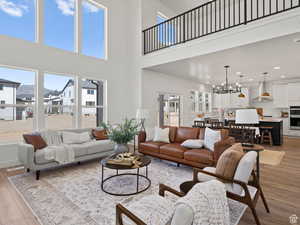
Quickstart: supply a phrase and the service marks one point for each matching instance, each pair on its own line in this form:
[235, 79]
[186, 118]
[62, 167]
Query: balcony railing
[209, 18]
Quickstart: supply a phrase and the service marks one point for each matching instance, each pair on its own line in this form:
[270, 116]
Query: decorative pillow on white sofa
[75, 138]
[161, 135]
[210, 138]
[193, 143]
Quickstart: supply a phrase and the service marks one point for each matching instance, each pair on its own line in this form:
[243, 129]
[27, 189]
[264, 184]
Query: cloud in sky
[13, 9]
[67, 7]
[90, 7]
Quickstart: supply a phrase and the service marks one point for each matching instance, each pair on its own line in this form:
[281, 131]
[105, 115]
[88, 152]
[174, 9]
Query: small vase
[120, 148]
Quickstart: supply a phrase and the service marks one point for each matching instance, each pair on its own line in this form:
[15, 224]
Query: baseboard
[10, 163]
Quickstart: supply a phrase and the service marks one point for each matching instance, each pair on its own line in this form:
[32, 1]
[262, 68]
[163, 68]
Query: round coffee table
[136, 172]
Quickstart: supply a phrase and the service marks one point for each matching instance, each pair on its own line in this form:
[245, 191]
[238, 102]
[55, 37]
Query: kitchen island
[275, 123]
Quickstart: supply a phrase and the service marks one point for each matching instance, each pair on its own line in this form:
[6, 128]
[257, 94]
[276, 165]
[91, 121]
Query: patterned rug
[72, 195]
[272, 158]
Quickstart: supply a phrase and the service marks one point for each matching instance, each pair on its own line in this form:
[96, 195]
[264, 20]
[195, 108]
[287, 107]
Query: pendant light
[241, 95]
[265, 93]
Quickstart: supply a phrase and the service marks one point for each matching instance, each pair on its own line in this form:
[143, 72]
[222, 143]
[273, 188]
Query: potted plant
[121, 134]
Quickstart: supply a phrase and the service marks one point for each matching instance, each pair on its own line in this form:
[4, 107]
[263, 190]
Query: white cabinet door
[294, 94]
[216, 101]
[280, 96]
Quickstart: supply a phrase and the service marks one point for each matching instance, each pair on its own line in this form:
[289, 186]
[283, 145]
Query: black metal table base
[138, 176]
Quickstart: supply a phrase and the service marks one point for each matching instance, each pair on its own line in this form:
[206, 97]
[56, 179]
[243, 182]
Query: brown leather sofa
[173, 151]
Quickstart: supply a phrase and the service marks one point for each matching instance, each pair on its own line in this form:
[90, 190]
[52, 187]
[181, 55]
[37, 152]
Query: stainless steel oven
[295, 117]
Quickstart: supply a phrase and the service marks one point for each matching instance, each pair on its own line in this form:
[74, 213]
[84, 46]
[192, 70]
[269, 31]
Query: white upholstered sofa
[92, 149]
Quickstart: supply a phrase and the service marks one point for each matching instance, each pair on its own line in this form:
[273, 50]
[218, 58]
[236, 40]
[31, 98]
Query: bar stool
[266, 135]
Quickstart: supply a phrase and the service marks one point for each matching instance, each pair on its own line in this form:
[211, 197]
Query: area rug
[272, 158]
[73, 196]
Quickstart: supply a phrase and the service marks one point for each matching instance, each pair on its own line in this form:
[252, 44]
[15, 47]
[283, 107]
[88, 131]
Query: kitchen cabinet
[231, 100]
[280, 96]
[293, 94]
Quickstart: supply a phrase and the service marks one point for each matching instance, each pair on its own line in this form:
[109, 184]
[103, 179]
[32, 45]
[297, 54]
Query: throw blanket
[209, 203]
[62, 154]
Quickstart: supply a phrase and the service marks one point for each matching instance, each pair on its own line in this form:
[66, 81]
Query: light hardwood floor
[281, 185]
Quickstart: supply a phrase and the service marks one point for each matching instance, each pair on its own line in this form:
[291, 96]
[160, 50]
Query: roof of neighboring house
[87, 84]
[3, 81]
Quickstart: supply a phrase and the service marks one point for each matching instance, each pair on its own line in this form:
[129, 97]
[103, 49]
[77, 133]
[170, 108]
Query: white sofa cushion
[161, 135]
[210, 138]
[75, 138]
[52, 137]
[193, 143]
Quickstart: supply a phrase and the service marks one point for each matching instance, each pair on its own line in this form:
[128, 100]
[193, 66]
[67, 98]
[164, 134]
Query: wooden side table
[258, 149]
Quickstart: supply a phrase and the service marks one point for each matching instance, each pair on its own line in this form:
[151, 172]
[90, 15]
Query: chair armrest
[221, 146]
[26, 155]
[163, 188]
[120, 210]
[223, 179]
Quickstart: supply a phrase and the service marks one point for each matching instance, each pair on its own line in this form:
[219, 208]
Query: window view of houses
[17, 102]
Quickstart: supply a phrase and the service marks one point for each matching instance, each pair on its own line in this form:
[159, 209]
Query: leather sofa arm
[221, 146]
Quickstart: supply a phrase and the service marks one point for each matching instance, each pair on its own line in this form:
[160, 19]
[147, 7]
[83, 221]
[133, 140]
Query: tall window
[59, 23]
[59, 95]
[17, 100]
[92, 105]
[17, 19]
[93, 29]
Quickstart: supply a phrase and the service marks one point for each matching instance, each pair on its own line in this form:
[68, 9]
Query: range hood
[263, 95]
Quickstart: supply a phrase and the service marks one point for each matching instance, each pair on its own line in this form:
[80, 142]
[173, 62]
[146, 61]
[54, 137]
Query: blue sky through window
[17, 19]
[93, 22]
[59, 23]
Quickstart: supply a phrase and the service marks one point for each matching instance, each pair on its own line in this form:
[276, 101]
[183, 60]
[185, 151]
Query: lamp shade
[142, 114]
[246, 116]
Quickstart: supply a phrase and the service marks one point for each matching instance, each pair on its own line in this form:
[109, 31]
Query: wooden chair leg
[254, 214]
[264, 200]
[270, 138]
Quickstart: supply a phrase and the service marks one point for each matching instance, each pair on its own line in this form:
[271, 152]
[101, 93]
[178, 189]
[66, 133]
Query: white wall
[154, 83]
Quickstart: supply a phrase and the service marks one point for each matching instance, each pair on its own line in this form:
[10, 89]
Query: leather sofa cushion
[99, 134]
[185, 133]
[199, 155]
[174, 150]
[201, 133]
[228, 163]
[172, 133]
[151, 146]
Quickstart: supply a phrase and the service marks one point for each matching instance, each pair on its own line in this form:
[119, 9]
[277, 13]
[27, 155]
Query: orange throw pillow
[100, 134]
[228, 162]
[36, 140]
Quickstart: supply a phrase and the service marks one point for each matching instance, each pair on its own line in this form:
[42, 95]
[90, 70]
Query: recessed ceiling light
[238, 73]
[277, 68]
[282, 76]
[250, 79]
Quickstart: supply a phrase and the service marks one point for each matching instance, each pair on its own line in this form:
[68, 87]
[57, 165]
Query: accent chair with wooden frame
[121, 210]
[239, 188]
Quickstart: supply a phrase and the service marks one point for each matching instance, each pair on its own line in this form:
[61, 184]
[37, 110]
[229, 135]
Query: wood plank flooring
[281, 185]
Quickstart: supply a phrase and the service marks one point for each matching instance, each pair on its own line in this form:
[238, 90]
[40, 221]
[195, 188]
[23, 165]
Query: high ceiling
[250, 60]
[180, 6]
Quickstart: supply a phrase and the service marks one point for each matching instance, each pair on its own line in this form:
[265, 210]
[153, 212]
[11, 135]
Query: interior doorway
[169, 110]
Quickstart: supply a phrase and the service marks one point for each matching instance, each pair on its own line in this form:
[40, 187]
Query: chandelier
[225, 87]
